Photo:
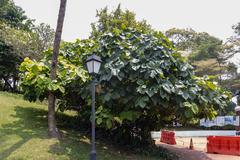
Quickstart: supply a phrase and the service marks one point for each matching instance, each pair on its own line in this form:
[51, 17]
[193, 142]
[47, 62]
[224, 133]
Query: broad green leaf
[141, 101]
[187, 104]
[128, 115]
[99, 121]
[153, 74]
[118, 120]
[166, 87]
[99, 109]
[62, 89]
[140, 82]
[211, 85]
[107, 97]
[185, 95]
[109, 123]
[134, 60]
[150, 92]
[194, 108]
[188, 113]
[35, 69]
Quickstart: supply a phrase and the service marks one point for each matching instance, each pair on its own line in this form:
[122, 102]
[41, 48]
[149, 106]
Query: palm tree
[52, 128]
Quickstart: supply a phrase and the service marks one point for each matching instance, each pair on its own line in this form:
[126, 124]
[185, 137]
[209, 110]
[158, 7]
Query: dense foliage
[116, 20]
[208, 54]
[9, 62]
[198, 45]
[235, 39]
[143, 84]
[19, 38]
[14, 15]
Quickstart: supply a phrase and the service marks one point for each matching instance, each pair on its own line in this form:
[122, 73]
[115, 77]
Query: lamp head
[93, 64]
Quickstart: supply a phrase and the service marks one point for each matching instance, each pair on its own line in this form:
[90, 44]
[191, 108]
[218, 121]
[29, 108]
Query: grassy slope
[209, 67]
[23, 135]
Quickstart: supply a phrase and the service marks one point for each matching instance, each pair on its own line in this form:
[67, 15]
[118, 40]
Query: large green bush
[142, 85]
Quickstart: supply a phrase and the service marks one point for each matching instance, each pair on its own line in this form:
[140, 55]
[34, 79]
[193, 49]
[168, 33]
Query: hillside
[23, 135]
[209, 67]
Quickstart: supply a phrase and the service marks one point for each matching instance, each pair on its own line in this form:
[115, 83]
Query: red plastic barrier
[224, 145]
[163, 136]
[168, 137]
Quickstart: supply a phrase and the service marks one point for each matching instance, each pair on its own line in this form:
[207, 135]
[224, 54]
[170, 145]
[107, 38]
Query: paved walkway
[199, 153]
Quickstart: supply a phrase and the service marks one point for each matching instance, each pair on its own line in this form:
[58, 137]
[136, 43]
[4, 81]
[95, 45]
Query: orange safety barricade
[168, 137]
[224, 145]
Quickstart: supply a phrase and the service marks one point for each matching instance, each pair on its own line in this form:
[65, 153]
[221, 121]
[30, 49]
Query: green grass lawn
[23, 136]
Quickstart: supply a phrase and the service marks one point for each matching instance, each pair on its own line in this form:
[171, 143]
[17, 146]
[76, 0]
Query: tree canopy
[142, 83]
[200, 46]
[235, 39]
[20, 38]
[14, 15]
[208, 54]
[117, 20]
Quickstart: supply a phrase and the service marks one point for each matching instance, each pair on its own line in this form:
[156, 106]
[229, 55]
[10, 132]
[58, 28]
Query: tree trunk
[15, 79]
[7, 85]
[220, 72]
[52, 128]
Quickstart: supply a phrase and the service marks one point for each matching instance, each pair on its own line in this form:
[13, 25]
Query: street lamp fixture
[93, 65]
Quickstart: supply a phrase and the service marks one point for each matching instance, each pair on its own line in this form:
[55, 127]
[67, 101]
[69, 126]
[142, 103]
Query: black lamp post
[93, 65]
[237, 109]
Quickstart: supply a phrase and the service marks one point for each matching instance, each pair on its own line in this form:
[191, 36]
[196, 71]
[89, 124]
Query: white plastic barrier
[197, 133]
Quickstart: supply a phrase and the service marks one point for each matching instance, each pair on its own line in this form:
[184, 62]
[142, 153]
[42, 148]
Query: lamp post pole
[93, 151]
[93, 63]
[237, 109]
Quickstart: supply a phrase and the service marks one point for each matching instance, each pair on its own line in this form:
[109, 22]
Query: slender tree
[52, 128]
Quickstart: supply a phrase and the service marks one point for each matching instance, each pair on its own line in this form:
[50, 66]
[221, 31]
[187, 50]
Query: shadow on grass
[32, 123]
[28, 124]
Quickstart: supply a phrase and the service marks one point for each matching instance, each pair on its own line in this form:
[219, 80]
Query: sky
[213, 16]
